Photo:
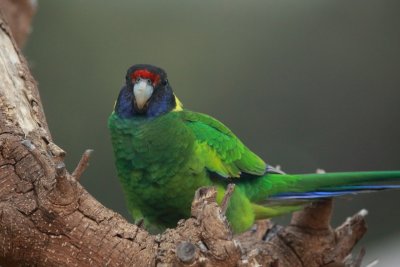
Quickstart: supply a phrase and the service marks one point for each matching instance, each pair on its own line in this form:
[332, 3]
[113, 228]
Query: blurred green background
[306, 84]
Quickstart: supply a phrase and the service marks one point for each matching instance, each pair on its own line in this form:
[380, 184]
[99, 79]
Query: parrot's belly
[157, 167]
[167, 201]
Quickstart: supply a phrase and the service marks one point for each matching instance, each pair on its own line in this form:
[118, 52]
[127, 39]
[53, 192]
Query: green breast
[156, 166]
[158, 147]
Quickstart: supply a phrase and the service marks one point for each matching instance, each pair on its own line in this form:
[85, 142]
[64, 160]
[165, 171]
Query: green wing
[221, 151]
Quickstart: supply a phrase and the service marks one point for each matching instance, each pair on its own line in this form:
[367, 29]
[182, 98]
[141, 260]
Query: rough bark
[48, 219]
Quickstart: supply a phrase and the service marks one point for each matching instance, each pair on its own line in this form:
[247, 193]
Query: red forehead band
[145, 74]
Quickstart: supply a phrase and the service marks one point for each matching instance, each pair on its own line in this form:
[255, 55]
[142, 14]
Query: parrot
[164, 153]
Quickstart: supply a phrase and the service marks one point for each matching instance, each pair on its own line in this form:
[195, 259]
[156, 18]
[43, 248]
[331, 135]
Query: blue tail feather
[332, 192]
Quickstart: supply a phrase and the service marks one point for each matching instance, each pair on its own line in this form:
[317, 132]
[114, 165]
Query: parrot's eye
[138, 79]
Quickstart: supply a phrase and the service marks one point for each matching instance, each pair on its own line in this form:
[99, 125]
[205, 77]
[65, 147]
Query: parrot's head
[146, 93]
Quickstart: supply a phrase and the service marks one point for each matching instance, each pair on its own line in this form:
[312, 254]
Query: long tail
[313, 186]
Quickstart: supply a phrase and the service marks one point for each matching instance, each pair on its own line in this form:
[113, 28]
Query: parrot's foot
[140, 223]
[227, 197]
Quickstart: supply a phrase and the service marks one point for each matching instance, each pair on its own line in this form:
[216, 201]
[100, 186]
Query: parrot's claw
[140, 223]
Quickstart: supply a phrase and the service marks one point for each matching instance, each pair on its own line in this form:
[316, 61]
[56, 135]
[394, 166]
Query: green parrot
[165, 152]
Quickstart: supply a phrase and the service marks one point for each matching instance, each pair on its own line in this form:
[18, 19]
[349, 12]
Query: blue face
[162, 103]
[138, 99]
[124, 105]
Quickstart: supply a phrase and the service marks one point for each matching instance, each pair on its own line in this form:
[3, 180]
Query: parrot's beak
[142, 91]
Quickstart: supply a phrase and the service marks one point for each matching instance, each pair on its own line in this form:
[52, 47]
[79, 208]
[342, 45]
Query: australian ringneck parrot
[165, 152]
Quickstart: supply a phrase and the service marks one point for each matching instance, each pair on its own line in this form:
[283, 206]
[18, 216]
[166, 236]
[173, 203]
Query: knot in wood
[61, 171]
[185, 251]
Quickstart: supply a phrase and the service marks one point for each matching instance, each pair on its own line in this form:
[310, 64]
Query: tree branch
[48, 219]
[82, 165]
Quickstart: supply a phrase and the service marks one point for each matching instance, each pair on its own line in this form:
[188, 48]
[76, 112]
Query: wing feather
[220, 149]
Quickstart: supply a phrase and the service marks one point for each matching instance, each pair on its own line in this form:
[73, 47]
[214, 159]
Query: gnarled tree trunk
[48, 219]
